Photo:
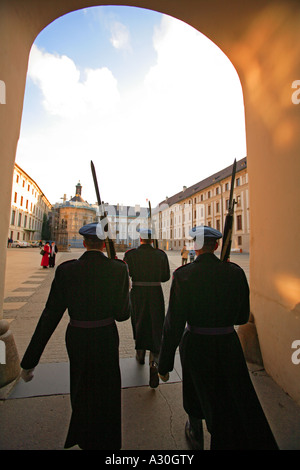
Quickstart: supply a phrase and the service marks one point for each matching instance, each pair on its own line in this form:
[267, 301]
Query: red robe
[45, 258]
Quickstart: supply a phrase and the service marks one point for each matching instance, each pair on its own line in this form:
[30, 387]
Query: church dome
[77, 201]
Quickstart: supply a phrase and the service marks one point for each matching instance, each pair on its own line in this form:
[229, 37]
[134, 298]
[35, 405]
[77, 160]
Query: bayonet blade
[96, 184]
[232, 184]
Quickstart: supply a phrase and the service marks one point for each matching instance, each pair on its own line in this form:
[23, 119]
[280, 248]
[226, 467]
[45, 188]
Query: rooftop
[207, 182]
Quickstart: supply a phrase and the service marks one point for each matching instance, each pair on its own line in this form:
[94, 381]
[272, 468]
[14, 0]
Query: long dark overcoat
[91, 288]
[216, 383]
[147, 264]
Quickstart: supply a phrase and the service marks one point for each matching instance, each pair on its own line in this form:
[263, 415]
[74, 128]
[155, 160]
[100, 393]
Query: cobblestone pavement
[27, 286]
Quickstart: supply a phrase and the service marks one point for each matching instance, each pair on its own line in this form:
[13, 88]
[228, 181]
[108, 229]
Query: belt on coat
[223, 330]
[146, 283]
[91, 323]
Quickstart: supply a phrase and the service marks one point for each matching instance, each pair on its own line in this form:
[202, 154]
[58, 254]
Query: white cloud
[120, 36]
[64, 93]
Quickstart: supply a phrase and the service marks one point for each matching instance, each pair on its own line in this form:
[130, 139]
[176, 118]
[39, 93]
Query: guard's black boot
[194, 433]
[154, 379]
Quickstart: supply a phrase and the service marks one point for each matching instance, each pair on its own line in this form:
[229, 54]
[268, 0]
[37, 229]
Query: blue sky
[149, 99]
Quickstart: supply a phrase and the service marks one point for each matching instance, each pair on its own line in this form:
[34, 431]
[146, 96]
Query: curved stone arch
[262, 41]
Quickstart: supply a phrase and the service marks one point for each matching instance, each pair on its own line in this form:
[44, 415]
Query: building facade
[67, 218]
[206, 203]
[28, 207]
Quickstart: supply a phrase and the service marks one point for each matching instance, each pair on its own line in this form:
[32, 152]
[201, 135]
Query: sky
[150, 100]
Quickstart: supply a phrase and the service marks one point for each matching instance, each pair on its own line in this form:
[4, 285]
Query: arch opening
[143, 96]
[267, 70]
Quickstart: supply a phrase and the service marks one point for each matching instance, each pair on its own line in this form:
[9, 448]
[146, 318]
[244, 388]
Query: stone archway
[262, 40]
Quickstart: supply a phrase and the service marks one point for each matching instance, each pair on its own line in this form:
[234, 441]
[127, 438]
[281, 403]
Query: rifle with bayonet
[109, 244]
[228, 226]
[155, 242]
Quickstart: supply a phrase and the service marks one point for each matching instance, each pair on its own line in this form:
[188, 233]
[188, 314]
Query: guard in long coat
[148, 267]
[209, 297]
[95, 290]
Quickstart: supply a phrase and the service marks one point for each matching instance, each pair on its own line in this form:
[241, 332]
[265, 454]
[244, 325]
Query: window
[208, 194]
[20, 219]
[218, 225]
[239, 222]
[217, 207]
[227, 187]
[238, 182]
[13, 214]
[217, 190]
[25, 221]
[15, 198]
[239, 240]
[21, 203]
[209, 210]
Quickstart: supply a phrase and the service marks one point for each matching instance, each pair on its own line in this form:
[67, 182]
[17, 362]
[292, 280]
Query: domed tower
[76, 212]
[78, 197]
[78, 189]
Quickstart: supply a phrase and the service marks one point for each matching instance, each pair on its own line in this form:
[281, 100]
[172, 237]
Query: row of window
[18, 237]
[180, 243]
[217, 190]
[33, 208]
[182, 232]
[16, 219]
[33, 191]
[169, 220]
[188, 206]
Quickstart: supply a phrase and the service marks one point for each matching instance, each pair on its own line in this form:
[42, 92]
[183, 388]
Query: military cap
[145, 232]
[202, 233]
[92, 230]
[206, 232]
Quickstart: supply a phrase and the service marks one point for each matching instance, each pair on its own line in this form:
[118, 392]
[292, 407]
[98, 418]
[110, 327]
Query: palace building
[206, 203]
[29, 205]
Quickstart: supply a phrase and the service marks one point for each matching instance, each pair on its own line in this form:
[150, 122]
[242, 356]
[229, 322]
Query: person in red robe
[45, 258]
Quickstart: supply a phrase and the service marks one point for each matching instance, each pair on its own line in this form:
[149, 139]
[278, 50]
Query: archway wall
[262, 40]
